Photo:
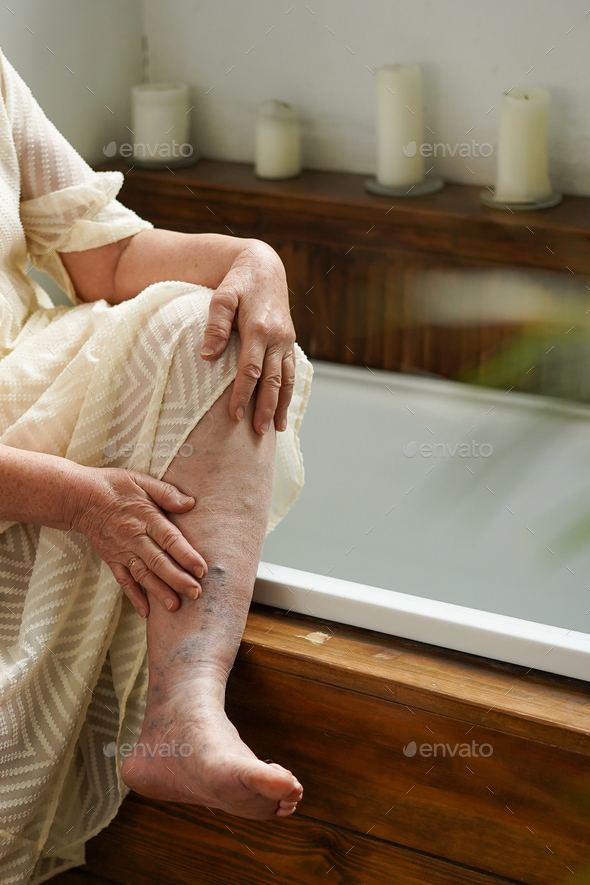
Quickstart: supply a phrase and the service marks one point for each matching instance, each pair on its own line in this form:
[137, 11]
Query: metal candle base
[428, 185]
[488, 199]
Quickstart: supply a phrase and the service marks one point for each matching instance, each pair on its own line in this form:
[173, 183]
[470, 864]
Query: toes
[296, 793]
[272, 781]
[285, 812]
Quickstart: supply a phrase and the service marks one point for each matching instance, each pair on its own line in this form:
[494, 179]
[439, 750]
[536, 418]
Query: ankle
[191, 692]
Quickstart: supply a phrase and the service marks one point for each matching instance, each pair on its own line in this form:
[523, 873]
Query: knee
[173, 314]
[182, 319]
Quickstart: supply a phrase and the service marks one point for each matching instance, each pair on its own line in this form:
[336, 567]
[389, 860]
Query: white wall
[100, 41]
[471, 51]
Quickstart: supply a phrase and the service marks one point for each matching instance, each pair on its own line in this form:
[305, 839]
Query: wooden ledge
[334, 207]
[539, 706]
[347, 189]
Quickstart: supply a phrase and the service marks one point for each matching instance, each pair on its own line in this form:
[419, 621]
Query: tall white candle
[522, 168]
[399, 125]
[160, 123]
[278, 141]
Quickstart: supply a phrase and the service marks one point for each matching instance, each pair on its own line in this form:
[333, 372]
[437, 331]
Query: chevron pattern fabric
[118, 386]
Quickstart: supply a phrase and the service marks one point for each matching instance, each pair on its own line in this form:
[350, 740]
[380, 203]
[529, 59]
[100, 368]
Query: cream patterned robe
[83, 382]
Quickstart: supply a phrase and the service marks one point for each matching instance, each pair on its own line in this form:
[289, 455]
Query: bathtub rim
[539, 647]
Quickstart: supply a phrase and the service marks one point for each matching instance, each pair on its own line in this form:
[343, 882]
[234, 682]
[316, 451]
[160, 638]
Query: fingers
[156, 562]
[249, 371]
[222, 310]
[131, 589]
[143, 575]
[253, 296]
[162, 531]
[267, 395]
[164, 494]
[275, 380]
[169, 538]
[141, 578]
[164, 563]
[286, 391]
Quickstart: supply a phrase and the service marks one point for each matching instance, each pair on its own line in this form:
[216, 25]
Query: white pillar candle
[160, 123]
[400, 127]
[278, 141]
[522, 168]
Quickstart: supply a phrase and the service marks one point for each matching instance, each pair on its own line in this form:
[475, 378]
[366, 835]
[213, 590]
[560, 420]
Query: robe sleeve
[65, 205]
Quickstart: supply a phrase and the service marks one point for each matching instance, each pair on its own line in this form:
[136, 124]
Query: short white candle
[522, 168]
[160, 123]
[278, 141]
[399, 125]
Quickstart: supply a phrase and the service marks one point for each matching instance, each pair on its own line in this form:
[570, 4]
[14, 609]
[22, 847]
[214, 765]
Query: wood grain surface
[157, 843]
[523, 812]
[479, 691]
[339, 715]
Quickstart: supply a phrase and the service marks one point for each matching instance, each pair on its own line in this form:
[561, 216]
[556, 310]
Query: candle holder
[488, 199]
[428, 185]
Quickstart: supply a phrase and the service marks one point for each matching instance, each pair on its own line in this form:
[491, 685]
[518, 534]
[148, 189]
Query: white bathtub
[442, 513]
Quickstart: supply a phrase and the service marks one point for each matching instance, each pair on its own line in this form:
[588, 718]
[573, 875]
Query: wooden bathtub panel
[338, 714]
[522, 813]
[479, 691]
[177, 845]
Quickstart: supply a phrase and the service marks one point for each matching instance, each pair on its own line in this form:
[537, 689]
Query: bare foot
[198, 758]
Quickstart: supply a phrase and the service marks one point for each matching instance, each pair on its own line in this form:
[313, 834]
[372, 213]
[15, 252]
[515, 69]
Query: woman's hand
[121, 514]
[253, 298]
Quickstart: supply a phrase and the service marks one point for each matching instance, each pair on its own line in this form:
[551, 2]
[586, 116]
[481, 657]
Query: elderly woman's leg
[191, 651]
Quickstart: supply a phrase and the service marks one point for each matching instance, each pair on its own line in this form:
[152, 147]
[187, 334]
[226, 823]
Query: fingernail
[239, 413]
[193, 592]
[207, 351]
[201, 573]
[264, 428]
[282, 424]
[142, 612]
[169, 604]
